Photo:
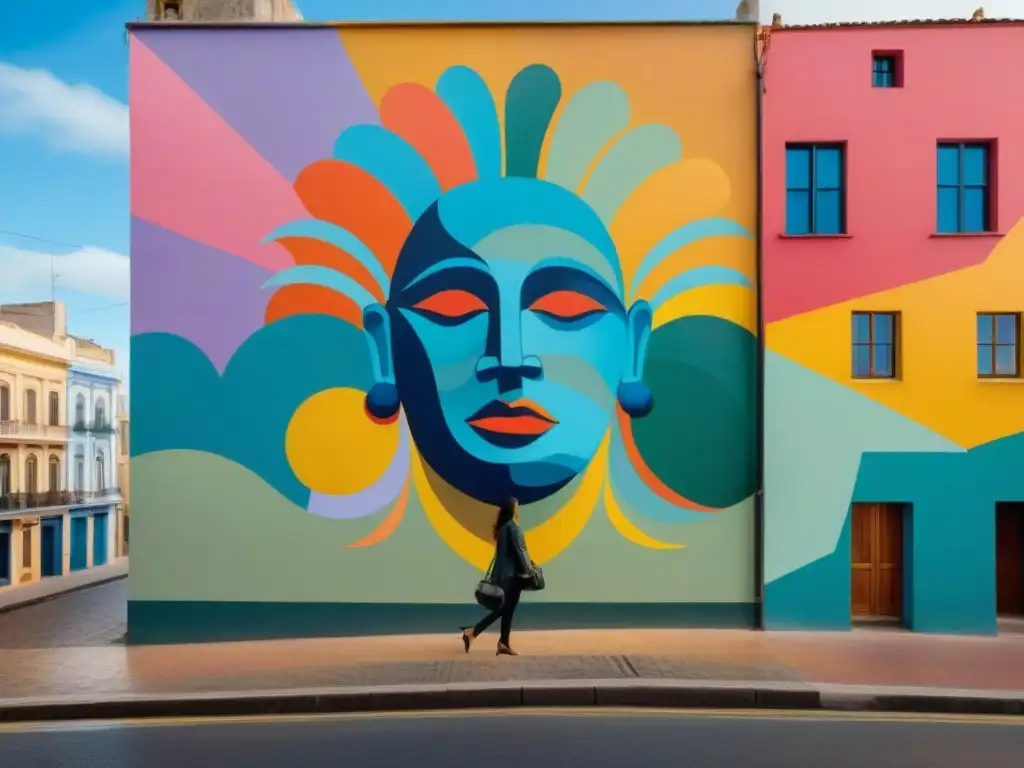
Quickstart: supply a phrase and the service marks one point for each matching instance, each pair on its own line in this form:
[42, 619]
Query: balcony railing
[23, 429]
[10, 502]
[98, 427]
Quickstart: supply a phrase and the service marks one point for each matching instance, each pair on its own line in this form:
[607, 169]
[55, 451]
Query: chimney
[776, 21]
[747, 10]
[979, 14]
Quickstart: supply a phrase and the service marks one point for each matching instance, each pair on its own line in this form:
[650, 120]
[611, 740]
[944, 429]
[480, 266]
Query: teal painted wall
[815, 597]
[949, 530]
[953, 537]
[817, 435]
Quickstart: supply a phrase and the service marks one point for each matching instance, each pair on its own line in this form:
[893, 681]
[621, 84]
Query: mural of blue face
[507, 338]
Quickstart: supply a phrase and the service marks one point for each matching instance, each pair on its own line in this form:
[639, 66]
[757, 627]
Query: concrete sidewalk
[54, 586]
[879, 669]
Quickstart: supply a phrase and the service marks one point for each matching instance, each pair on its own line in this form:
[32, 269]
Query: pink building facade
[893, 286]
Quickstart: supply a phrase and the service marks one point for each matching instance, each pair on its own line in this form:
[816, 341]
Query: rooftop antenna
[53, 278]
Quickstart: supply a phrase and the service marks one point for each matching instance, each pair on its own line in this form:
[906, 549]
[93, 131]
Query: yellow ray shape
[734, 303]
[627, 529]
[545, 542]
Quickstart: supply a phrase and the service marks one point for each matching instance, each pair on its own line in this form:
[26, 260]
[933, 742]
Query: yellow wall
[938, 385]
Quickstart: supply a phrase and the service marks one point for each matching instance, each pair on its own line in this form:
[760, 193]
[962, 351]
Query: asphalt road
[91, 617]
[567, 739]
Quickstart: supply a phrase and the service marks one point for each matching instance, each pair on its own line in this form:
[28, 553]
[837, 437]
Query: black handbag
[488, 594]
[535, 581]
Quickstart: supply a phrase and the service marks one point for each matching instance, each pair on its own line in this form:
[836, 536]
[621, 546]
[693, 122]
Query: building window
[54, 473]
[169, 10]
[79, 411]
[79, 470]
[885, 70]
[100, 416]
[874, 345]
[5, 403]
[101, 472]
[5, 474]
[999, 345]
[122, 429]
[814, 189]
[26, 547]
[30, 406]
[54, 409]
[31, 474]
[963, 196]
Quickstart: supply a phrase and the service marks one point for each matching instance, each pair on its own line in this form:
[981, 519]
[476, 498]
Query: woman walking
[511, 570]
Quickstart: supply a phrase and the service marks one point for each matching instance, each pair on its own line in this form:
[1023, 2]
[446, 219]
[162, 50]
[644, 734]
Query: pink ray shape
[192, 174]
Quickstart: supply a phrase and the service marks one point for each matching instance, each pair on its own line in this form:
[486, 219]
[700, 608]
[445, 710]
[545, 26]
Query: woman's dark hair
[505, 513]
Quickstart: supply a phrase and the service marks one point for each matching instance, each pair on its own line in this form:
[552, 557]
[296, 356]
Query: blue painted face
[509, 340]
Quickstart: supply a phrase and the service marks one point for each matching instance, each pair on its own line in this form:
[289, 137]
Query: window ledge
[814, 236]
[967, 234]
[1000, 380]
[874, 380]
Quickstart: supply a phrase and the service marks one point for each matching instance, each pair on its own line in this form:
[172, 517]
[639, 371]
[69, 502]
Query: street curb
[674, 694]
[54, 595]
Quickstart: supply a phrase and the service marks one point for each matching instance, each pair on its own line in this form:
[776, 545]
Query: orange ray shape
[389, 524]
[312, 300]
[348, 196]
[308, 251]
[419, 116]
[650, 479]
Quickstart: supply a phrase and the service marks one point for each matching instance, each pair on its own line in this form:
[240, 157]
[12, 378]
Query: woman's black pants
[505, 613]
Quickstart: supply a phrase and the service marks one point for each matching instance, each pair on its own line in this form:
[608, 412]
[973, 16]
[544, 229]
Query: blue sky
[64, 130]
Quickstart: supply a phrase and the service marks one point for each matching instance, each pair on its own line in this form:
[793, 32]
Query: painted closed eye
[452, 305]
[567, 305]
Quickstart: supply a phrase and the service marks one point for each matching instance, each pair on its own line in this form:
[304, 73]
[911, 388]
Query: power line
[105, 306]
[39, 239]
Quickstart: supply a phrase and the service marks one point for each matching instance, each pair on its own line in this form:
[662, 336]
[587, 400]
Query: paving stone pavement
[73, 645]
[89, 618]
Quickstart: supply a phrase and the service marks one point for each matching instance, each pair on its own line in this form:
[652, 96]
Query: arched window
[54, 409]
[31, 474]
[5, 474]
[79, 411]
[30, 406]
[100, 418]
[54, 473]
[5, 402]
[79, 469]
[101, 472]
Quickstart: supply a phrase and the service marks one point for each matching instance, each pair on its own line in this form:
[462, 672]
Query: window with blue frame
[815, 197]
[874, 345]
[999, 344]
[964, 202]
[883, 71]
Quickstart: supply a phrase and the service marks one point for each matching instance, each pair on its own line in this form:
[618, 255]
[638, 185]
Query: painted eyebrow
[460, 262]
[560, 262]
[549, 242]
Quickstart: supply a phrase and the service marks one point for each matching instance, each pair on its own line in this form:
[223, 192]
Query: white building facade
[93, 398]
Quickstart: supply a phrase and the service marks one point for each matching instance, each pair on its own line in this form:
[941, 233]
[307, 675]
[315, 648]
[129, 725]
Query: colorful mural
[416, 271]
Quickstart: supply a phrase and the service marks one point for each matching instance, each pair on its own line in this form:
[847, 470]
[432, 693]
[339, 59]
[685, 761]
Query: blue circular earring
[382, 401]
[635, 398]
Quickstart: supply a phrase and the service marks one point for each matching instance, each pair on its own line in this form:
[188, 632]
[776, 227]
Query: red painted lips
[520, 417]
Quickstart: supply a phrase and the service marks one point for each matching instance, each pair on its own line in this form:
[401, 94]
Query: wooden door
[877, 561]
[1010, 559]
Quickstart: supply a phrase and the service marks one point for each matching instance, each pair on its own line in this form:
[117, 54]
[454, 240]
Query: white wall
[90, 445]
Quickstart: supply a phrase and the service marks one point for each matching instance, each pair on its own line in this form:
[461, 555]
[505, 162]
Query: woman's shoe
[467, 637]
[504, 650]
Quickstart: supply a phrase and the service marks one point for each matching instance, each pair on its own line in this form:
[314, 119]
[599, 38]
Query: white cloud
[821, 11]
[27, 274]
[79, 117]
